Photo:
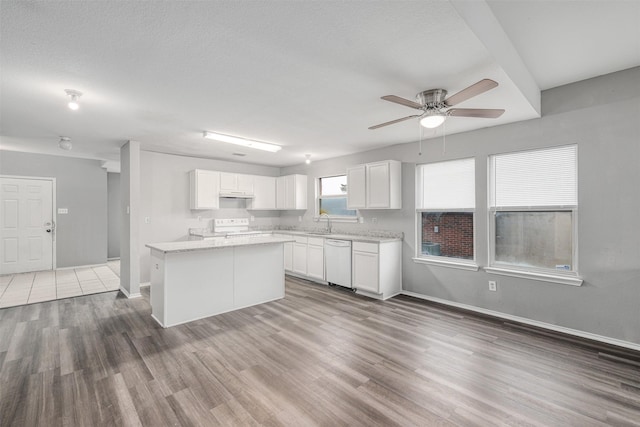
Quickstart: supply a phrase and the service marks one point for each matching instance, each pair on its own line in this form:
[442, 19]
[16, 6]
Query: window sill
[449, 264]
[572, 280]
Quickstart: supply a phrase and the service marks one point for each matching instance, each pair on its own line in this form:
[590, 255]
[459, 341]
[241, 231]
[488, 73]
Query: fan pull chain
[444, 137]
[420, 139]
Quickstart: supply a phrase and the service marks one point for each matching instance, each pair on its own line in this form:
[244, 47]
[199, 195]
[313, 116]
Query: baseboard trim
[113, 259]
[129, 295]
[145, 284]
[536, 323]
[80, 266]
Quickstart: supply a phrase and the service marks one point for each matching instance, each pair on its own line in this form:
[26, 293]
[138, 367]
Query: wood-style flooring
[320, 356]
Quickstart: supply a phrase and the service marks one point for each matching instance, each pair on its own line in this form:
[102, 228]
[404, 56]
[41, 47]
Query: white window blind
[546, 177]
[447, 185]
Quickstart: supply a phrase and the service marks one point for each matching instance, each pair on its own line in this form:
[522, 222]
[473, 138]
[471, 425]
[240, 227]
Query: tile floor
[27, 288]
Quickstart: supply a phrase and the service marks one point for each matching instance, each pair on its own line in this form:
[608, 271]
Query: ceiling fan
[432, 102]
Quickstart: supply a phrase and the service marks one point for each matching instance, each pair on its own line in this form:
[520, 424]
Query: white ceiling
[307, 75]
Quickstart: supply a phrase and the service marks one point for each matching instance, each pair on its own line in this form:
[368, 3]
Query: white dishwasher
[337, 259]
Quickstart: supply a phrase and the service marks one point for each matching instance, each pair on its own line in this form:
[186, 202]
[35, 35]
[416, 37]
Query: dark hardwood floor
[318, 357]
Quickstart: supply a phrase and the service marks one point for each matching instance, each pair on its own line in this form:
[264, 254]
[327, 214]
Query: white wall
[164, 194]
[81, 187]
[602, 116]
[114, 215]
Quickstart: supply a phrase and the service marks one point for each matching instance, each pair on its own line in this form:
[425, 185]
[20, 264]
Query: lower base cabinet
[377, 268]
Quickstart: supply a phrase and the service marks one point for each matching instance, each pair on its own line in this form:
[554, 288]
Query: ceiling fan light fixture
[65, 143]
[244, 142]
[74, 96]
[432, 121]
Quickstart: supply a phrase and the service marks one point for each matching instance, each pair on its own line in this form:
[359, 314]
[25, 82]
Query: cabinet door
[315, 262]
[356, 195]
[300, 258]
[377, 177]
[264, 190]
[280, 192]
[245, 183]
[228, 181]
[290, 192]
[288, 256]
[204, 189]
[365, 271]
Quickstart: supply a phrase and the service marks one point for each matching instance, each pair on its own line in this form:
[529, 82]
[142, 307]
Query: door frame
[54, 210]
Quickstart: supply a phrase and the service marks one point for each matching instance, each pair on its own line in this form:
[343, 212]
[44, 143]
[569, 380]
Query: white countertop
[196, 245]
[337, 236]
[351, 237]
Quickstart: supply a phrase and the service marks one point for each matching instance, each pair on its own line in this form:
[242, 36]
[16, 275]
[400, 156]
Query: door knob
[48, 230]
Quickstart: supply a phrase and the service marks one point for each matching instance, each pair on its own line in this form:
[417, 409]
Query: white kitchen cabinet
[236, 183]
[375, 185]
[291, 192]
[204, 189]
[264, 191]
[376, 268]
[300, 256]
[315, 258]
[356, 187]
[288, 256]
[288, 253]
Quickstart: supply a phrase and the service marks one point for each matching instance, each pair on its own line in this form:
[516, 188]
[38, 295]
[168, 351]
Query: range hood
[236, 195]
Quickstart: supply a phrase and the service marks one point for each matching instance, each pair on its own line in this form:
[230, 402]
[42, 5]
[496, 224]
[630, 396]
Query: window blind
[547, 177]
[447, 185]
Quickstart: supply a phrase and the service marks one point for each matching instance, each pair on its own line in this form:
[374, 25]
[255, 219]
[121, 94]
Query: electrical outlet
[493, 285]
[147, 219]
[435, 229]
[361, 220]
[253, 218]
[374, 220]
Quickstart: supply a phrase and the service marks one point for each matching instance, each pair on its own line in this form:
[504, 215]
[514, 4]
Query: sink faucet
[328, 221]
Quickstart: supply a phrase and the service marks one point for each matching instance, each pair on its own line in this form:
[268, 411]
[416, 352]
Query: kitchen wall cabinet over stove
[236, 183]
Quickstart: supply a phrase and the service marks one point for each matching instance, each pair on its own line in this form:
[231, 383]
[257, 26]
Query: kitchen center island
[196, 279]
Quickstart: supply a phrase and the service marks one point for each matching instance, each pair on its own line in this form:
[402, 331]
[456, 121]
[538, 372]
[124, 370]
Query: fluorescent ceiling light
[265, 146]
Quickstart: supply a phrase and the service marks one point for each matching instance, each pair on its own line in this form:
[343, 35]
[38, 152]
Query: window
[332, 197]
[533, 202]
[445, 211]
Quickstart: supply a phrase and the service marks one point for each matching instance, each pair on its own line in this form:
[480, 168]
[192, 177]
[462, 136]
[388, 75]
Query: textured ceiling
[306, 75]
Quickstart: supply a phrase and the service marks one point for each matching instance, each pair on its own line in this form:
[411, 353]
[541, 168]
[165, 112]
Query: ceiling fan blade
[487, 113]
[394, 121]
[473, 90]
[402, 101]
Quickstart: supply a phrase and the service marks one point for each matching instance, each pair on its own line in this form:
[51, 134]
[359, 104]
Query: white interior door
[26, 225]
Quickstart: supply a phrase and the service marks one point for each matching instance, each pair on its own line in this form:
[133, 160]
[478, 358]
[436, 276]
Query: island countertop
[197, 245]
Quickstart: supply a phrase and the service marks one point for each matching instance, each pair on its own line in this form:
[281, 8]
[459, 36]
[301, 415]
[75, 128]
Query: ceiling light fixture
[432, 120]
[265, 146]
[308, 158]
[65, 143]
[73, 95]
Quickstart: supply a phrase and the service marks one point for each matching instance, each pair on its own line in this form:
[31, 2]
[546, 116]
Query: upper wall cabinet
[236, 184]
[205, 186]
[375, 185]
[264, 190]
[291, 192]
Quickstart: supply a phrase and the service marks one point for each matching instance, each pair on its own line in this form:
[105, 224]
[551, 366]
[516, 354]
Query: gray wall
[81, 235]
[114, 215]
[164, 197]
[602, 116]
